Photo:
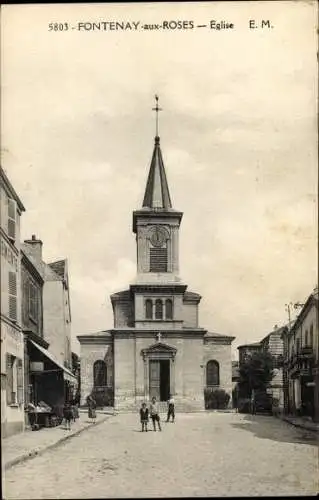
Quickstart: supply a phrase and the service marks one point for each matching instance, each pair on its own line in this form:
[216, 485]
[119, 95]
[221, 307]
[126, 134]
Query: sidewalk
[28, 444]
[304, 423]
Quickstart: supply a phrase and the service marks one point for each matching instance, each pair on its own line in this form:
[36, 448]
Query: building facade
[274, 345]
[301, 363]
[47, 328]
[156, 347]
[12, 352]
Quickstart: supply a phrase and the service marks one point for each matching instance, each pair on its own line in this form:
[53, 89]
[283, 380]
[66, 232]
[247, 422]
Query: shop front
[50, 384]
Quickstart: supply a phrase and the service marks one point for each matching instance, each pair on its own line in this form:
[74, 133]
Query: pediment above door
[159, 350]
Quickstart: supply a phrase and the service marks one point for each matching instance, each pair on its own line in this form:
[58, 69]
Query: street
[204, 454]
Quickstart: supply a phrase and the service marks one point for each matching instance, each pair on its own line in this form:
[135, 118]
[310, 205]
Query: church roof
[157, 193]
[58, 267]
[218, 335]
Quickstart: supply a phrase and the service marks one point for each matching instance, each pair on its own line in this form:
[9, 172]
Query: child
[144, 417]
[68, 415]
[154, 410]
[171, 409]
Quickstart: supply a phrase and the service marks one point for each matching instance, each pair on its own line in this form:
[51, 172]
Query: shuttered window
[13, 307]
[19, 381]
[158, 260]
[33, 302]
[11, 394]
[12, 210]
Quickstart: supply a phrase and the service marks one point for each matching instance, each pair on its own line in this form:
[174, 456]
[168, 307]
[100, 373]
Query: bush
[216, 399]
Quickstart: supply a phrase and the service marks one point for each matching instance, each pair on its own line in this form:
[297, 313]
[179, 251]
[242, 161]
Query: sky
[238, 135]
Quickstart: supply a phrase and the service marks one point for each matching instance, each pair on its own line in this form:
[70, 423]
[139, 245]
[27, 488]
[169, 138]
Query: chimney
[35, 246]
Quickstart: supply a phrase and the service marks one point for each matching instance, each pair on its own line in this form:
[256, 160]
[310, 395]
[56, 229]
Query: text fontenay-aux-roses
[137, 25]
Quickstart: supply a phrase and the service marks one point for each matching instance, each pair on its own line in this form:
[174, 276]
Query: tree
[255, 374]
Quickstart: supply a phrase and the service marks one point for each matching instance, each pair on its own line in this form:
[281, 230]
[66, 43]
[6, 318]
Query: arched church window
[212, 373]
[169, 309]
[100, 373]
[148, 309]
[158, 309]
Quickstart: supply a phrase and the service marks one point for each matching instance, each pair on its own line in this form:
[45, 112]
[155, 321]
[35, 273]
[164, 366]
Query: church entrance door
[160, 379]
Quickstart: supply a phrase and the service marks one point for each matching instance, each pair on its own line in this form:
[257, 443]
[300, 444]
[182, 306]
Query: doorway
[160, 379]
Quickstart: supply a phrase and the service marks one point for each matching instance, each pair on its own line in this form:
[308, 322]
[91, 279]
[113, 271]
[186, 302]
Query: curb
[300, 426]
[37, 453]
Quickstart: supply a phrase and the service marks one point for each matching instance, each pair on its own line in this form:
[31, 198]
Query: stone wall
[91, 352]
[215, 350]
[131, 374]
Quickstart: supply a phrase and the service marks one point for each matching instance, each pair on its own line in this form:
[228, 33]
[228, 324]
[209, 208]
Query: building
[156, 347]
[12, 408]
[273, 344]
[46, 327]
[301, 363]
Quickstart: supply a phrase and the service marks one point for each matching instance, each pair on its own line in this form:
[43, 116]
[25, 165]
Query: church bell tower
[156, 225]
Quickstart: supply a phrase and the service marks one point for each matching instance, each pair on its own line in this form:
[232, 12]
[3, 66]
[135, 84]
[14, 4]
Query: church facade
[156, 346]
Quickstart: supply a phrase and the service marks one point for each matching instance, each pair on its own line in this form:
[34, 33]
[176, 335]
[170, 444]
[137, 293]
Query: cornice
[10, 189]
[9, 242]
[160, 288]
[29, 266]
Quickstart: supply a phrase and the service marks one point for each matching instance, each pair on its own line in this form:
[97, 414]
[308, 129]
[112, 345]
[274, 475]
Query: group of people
[70, 412]
[153, 412]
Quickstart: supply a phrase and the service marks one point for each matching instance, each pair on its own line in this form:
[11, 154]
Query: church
[156, 346]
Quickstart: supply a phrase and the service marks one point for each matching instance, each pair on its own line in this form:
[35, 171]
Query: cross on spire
[159, 336]
[156, 109]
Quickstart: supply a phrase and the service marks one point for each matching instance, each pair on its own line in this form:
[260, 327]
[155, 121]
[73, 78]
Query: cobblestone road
[209, 454]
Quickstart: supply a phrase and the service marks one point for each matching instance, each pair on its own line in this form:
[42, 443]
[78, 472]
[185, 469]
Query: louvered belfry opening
[158, 260]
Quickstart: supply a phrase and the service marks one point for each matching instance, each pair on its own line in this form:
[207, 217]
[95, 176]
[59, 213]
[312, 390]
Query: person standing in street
[67, 414]
[154, 411]
[144, 417]
[170, 409]
[91, 408]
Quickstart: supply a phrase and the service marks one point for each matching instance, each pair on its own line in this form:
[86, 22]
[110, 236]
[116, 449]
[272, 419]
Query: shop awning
[68, 375]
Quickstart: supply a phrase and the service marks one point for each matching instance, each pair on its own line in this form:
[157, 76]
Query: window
[158, 309]
[169, 309]
[99, 373]
[306, 338]
[311, 335]
[298, 346]
[148, 309]
[212, 373]
[158, 260]
[12, 219]
[13, 308]
[11, 379]
[19, 381]
[33, 302]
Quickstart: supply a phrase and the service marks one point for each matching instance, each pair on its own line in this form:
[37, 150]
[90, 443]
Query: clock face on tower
[157, 237]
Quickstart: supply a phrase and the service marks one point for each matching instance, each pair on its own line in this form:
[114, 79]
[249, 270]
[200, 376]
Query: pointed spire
[157, 192]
